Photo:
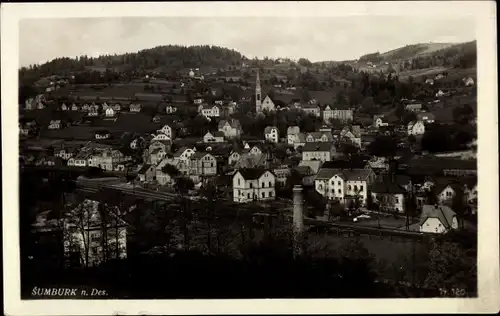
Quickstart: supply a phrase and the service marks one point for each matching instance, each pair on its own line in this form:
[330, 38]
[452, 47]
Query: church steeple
[258, 93]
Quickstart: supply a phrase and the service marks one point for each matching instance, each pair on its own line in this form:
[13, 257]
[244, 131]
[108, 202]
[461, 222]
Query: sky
[314, 38]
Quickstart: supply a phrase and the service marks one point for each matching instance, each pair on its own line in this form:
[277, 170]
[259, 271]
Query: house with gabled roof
[416, 128]
[271, 133]
[322, 151]
[319, 137]
[312, 109]
[253, 184]
[135, 107]
[55, 124]
[214, 137]
[203, 164]
[337, 112]
[437, 219]
[344, 184]
[389, 195]
[426, 117]
[231, 128]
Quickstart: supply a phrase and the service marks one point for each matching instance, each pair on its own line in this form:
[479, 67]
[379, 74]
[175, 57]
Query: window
[340, 191]
[262, 185]
[396, 200]
[320, 187]
[269, 183]
[251, 185]
[339, 183]
[355, 188]
[211, 164]
[348, 187]
[361, 188]
[248, 195]
[263, 194]
[270, 193]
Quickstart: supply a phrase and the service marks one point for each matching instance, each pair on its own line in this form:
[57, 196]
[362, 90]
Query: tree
[304, 62]
[410, 209]
[383, 146]
[458, 204]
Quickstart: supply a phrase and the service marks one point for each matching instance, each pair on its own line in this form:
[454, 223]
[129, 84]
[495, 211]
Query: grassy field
[453, 73]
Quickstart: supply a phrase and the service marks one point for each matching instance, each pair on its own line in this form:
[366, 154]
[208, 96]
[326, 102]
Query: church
[262, 105]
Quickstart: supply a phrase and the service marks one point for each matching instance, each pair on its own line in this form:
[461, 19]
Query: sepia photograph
[225, 153]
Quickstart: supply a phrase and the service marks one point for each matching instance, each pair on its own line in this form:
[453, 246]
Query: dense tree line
[170, 56]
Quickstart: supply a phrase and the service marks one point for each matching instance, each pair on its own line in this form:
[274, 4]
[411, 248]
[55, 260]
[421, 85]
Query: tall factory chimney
[298, 219]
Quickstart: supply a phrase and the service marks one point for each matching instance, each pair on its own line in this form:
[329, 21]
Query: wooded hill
[161, 57]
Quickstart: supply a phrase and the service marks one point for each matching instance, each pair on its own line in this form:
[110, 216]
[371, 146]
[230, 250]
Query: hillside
[161, 58]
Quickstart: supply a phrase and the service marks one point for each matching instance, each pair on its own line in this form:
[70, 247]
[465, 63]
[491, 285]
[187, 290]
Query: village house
[352, 135]
[117, 107]
[231, 128]
[75, 107]
[161, 137]
[55, 124]
[378, 121]
[106, 159]
[312, 109]
[64, 107]
[281, 174]
[442, 93]
[162, 176]
[198, 100]
[80, 160]
[203, 164]
[319, 137]
[340, 113]
[468, 81]
[170, 109]
[136, 143]
[65, 153]
[167, 130]
[426, 117]
[183, 154]
[437, 219]
[209, 111]
[135, 107]
[271, 133]
[253, 184]
[156, 119]
[429, 81]
[413, 107]
[105, 106]
[109, 112]
[389, 196]
[344, 184]
[214, 137]
[439, 77]
[146, 173]
[102, 135]
[416, 128]
[24, 130]
[322, 151]
[292, 134]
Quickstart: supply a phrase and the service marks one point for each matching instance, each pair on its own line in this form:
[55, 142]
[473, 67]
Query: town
[378, 153]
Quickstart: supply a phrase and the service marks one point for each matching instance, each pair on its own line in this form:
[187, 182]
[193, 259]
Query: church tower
[258, 94]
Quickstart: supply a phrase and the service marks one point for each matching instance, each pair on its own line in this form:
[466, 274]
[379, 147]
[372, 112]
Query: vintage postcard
[246, 158]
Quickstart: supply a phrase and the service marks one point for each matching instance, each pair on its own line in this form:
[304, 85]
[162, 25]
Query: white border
[484, 14]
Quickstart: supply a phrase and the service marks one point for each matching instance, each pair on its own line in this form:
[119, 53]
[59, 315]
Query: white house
[322, 151]
[198, 101]
[167, 130]
[253, 184]
[416, 128]
[213, 137]
[292, 134]
[378, 121]
[437, 219]
[183, 154]
[468, 81]
[344, 184]
[413, 107]
[271, 133]
[55, 124]
[170, 109]
[135, 107]
[209, 110]
[352, 134]
[337, 113]
[102, 135]
[109, 112]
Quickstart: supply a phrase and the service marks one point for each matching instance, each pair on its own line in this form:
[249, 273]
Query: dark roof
[355, 163]
[444, 213]
[317, 146]
[251, 173]
[144, 168]
[385, 185]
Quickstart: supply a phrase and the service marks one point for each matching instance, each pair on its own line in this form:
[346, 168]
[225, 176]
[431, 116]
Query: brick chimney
[298, 209]
[298, 221]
